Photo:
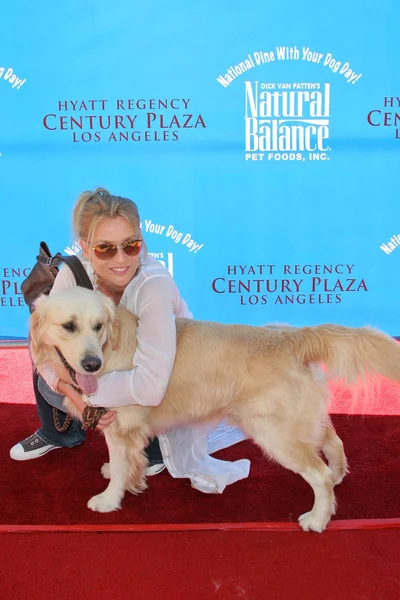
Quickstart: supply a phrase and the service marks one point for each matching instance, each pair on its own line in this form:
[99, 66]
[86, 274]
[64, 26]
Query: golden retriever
[264, 380]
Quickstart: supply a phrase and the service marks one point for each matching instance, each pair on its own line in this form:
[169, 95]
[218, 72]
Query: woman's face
[119, 270]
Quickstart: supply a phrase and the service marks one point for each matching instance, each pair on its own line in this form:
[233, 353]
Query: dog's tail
[349, 354]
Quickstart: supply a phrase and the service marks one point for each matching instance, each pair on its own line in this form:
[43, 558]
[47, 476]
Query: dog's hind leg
[277, 440]
[110, 499]
[332, 447]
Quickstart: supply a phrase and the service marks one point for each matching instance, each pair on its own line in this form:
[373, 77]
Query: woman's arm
[146, 384]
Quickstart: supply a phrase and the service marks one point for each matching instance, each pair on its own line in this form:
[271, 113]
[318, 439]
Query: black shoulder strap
[79, 271]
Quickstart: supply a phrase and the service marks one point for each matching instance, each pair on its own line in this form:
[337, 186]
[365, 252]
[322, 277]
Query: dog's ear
[40, 301]
[34, 328]
[34, 335]
[112, 322]
[115, 332]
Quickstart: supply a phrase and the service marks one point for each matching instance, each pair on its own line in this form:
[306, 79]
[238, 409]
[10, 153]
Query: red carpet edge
[268, 526]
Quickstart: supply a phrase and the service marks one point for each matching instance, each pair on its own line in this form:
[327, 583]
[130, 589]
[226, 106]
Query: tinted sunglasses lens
[133, 248]
[104, 252]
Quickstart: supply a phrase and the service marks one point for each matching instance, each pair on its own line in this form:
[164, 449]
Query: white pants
[186, 452]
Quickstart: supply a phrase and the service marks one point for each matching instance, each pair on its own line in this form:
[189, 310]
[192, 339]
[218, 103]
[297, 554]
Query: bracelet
[87, 398]
[91, 416]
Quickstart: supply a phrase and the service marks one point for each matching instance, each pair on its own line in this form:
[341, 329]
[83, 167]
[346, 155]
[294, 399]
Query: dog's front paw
[104, 503]
[310, 521]
[105, 470]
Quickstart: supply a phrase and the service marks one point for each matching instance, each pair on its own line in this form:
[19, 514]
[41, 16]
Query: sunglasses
[108, 251]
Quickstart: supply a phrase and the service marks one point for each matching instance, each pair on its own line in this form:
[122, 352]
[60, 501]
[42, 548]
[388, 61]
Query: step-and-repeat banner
[260, 142]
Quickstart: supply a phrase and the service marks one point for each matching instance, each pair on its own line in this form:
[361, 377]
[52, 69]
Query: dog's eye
[69, 326]
[98, 327]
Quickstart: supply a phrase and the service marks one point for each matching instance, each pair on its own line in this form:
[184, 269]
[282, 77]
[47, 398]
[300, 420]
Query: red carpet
[338, 565]
[55, 488]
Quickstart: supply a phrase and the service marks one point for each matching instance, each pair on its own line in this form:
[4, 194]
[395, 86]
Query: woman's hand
[106, 419]
[67, 390]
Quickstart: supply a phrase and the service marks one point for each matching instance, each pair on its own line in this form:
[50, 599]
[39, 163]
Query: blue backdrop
[260, 141]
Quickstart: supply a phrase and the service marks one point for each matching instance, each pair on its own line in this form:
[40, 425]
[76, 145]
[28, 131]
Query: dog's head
[74, 325]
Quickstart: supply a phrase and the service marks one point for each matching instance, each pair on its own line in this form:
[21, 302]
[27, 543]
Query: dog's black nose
[91, 364]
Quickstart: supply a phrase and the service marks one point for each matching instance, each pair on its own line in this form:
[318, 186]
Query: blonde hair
[93, 207]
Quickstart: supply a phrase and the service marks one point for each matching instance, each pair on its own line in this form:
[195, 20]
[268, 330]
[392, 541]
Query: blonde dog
[264, 380]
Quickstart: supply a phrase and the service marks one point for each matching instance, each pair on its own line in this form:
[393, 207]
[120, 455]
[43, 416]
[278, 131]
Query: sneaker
[155, 469]
[32, 447]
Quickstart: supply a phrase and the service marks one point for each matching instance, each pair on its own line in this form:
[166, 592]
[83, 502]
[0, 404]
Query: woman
[117, 262]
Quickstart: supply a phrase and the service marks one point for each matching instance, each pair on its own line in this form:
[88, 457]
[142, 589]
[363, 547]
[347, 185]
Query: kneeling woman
[116, 260]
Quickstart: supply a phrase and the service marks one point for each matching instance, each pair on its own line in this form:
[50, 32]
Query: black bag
[41, 279]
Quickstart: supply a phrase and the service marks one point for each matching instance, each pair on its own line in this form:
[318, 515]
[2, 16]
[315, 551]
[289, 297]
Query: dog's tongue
[87, 383]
